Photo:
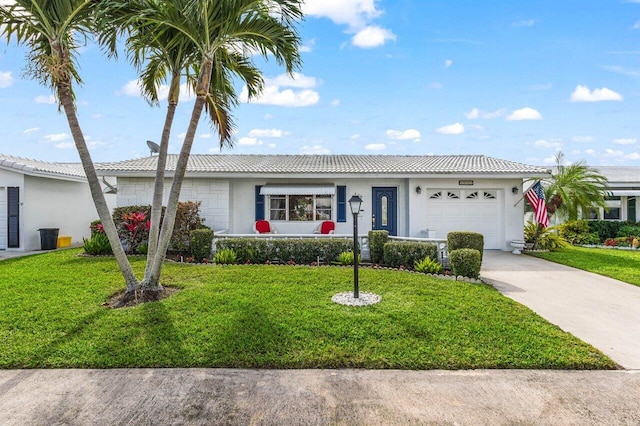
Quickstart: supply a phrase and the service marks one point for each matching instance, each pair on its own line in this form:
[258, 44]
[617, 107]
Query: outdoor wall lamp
[514, 190]
[418, 189]
[354, 203]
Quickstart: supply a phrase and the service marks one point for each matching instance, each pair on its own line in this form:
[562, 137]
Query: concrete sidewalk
[599, 310]
[318, 397]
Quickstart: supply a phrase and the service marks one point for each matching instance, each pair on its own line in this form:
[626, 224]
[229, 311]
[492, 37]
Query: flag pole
[524, 194]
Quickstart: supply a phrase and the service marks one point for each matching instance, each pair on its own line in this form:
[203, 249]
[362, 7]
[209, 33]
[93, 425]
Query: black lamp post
[354, 203]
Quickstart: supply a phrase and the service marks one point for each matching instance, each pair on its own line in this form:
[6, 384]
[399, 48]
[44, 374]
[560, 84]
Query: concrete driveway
[598, 310]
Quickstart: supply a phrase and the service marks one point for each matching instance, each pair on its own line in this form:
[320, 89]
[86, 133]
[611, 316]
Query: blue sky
[513, 80]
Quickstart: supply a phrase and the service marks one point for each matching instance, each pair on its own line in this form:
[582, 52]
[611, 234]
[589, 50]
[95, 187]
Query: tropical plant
[225, 257]
[544, 238]
[97, 245]
[53, 31]
[428, 266]
[222, 37]
[574, 188]
[346, 258]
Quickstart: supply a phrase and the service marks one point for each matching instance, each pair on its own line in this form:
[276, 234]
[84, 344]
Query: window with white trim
[300, 207]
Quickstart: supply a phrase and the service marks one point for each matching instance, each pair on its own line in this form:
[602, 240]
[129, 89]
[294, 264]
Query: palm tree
[223, 36]
[52, 30]
[574, 188]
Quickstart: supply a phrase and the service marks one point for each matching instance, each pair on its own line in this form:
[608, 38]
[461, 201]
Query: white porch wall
[243, 205]
[511, 215]
[53, 203]
[213, 193]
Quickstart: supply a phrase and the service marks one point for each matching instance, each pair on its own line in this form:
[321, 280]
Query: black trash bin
[49, 238]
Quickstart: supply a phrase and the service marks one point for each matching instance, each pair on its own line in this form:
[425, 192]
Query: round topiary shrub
[465, 262]
[464, 239]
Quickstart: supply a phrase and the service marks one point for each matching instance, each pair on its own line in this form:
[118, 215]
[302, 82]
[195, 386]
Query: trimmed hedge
[465, 239]
[377, 240]
[201, 242]
[302, 251]
[576, 232]
[465, 262]
[606, 228]
[407, 253]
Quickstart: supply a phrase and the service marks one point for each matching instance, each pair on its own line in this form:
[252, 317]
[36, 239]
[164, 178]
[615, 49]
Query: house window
[453, 195]
[472, 196]
[436, 195]
[615, 206]
[300, 207]
[489, 195]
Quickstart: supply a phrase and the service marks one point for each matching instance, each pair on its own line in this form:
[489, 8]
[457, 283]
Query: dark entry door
[385, 210]
[13, 222]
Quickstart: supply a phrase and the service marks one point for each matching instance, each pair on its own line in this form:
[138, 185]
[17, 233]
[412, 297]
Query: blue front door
[385, 210]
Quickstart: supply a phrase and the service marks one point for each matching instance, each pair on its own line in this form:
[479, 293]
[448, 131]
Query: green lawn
[623, 265]
[268, 317]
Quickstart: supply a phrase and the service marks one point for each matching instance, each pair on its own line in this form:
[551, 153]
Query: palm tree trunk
[153, 279]
[158, 189]
[64, 95]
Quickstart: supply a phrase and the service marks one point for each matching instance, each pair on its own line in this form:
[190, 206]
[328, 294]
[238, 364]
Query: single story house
[624, 188]
[38, 194]
[409, 196]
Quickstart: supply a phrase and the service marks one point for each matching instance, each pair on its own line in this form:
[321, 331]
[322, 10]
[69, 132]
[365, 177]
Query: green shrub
[97, 245]
[544, 238]
[407, 253]
[346, 258]
[577, 232]
[96, 227]
[606, 228]
[187, 220]
[428, 266]
[301, 251]
[464, 239]
[377, 240]
[629, 230]
[225, 257]
[465, 262]
[200, 242]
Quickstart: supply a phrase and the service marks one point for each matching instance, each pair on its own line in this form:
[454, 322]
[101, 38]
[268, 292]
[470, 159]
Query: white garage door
[3, 218]
[474, 210]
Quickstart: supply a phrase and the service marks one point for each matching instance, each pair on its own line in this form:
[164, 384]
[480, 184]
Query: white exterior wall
[213, 193]
[510, 215]
[53, 203]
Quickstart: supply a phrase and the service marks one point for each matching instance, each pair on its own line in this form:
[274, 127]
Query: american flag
[535, 196]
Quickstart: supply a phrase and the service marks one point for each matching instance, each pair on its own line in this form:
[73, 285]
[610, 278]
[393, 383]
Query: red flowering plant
[96, 228]
[134, 232]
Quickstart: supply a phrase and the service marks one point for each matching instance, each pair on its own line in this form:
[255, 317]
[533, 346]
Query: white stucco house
[37, 194]
[624, 188]
[409, 196]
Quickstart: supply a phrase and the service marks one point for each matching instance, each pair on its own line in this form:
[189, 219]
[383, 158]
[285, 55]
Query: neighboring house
[37, 194]
[409, 196]
[624, 187]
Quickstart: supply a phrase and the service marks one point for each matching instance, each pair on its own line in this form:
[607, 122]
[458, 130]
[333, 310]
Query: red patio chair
[263, 227]
[326, 227]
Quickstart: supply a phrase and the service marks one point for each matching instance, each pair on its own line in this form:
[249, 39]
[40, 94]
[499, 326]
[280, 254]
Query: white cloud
[354, 13]
[132, 88]
[583, 139]
[272, 145]
[42, 99]
[314, 150]
[375, 147]
[409, 134]
[30, 130]
[57, 137]
[636, 25]
[249, 141]
[64, 145]
[273, 94]
[435, 85]
[543, 143]
[206, 136]
[448, 63]
[583, 94]
[95, 144]
[308, 47]
[524, 114]
[354, 137]
[6, 79]
[590, 152]
[633, 156]
[372, 36]
[267, 133]
[625, 141]
[335, 102]
[524, 23]
[476, 113]
[549, 160]
[613, 153]
[451, 129]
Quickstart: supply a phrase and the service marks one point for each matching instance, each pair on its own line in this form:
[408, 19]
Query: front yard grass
[623, 265]
[51, 316]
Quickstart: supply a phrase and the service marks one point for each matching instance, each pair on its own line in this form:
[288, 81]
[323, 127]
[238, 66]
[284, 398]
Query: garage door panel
[474, 215]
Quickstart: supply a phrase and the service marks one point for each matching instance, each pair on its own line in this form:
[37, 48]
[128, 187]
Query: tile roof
[620, 174]
[335, 164]
[36, 167]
